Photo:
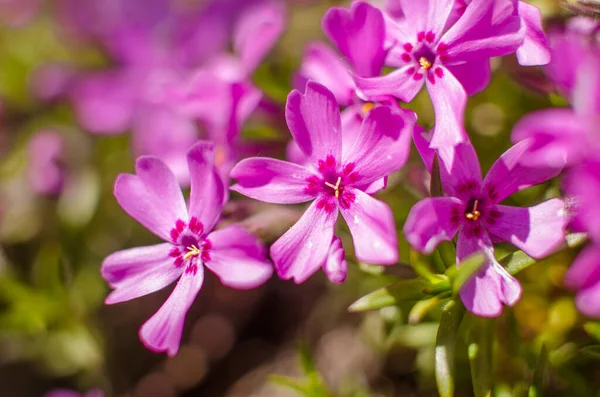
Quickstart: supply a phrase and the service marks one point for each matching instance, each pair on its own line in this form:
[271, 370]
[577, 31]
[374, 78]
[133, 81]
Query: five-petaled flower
[471, 208]
[335, 178]
[153, 197]
[448, 53]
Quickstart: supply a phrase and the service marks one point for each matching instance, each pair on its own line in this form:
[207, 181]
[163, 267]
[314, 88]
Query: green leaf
[404, 290]
[480, 355]
[447, 252]
[290, 383]
[306, 361]
[593, 329]
[452, 315]
[435, 186]
[467, 269]
[516, 262]
[421, 309]
[537, 388]
[420, 266]
[592, 351]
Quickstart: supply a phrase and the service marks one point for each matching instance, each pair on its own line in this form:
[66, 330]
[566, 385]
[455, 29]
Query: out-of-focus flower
[71, 393]
[154, 199]
[335, 179]
[46, 170]
[471, 209]
[451, 57]
[16, 13]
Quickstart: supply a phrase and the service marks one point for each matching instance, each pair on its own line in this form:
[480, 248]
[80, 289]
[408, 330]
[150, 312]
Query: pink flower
[471, 208]
[46, 171]
[154, 199]
[335, 180]
[71, 393]
[450, 57]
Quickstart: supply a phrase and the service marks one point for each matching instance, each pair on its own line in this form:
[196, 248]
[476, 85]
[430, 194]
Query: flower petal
[399, 83]
[207, 191]
[559, 135]
[535, 49]
[537, 230]
[256, 32]
[238, 258]
[586, 95]
[335, 266]
[431, 221]
[427, 15]
[383, 143]
[449, 100]
[162, 332]
[323, 65]
[359, 34]
[272, 180]
[474, 75]
[488, 28]
[492, 286]
[139, 271]
[585, 270]
[509, 173]
[587, 301]
[371, 223]
[303, 248]
[152, 196]
[582, 183]
[314, 121]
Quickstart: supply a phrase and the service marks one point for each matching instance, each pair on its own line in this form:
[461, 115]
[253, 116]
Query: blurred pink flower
[154, 199]
[46, 171]
[71, 393]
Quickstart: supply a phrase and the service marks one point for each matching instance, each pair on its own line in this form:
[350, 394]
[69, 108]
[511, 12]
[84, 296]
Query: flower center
[424, 62]
[474, 214]
[189, 245]
[367, 107]
[330, 185]
[192, 251]
[425, 57]
[336, 187]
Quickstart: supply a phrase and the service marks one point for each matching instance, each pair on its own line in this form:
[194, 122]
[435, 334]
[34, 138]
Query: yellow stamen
[366, 108]
[220, 155]
[335, 187]
[424, 62]
[473, 215]
[192, 251]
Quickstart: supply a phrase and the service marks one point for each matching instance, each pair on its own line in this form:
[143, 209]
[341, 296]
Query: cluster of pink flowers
[338, 157]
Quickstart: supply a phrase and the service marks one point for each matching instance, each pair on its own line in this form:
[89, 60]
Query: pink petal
[314, 121]
[152, 196]
[272, 180]
[537, 230]
[371, 223]
[427, 15]
[582, 182]
[162, 332]
[586, 95]
[323, 65]
[257, 30]
[399, 83]
[509, 173]
[587, 301]
[352, 119]
[559, 135]
[336, 267]
[422, 140]
[139, 271]
[359, 34]
[207, 191]
[431, 221]
[492, 286]
[585, 270]
[383, 143]
[449, 100]
[488, 28]
[238, 258]
[474, 75]
[303, 248]
[534, 50]
[104, 103]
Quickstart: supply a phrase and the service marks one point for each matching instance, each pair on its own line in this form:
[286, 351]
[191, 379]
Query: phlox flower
[153, 197]
[471, 209]
[46, 170]
[449, 55]
[335, 180]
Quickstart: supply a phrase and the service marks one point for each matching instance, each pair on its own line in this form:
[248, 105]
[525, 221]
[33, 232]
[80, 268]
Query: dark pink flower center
[189, 245]
[331, 184]
[425, 57]
[475, 215]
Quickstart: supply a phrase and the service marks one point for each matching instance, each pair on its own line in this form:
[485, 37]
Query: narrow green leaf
[537, 388]
[447, 252]
[290, 383]
[405, 290]
[516, 262]
[421, 309]
[591, 351]
[419, 265]
[467, 269]
[435, 186]
[480, 355]
[306, 361]
[452, 315]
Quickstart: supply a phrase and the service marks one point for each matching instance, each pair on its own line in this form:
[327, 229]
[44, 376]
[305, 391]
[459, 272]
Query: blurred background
[82, 94]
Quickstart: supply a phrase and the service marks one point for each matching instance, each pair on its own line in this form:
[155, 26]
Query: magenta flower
[154, 199]
[46, 171]
[451, 58]
[71, 393]
[471, 209]
[334, 180]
